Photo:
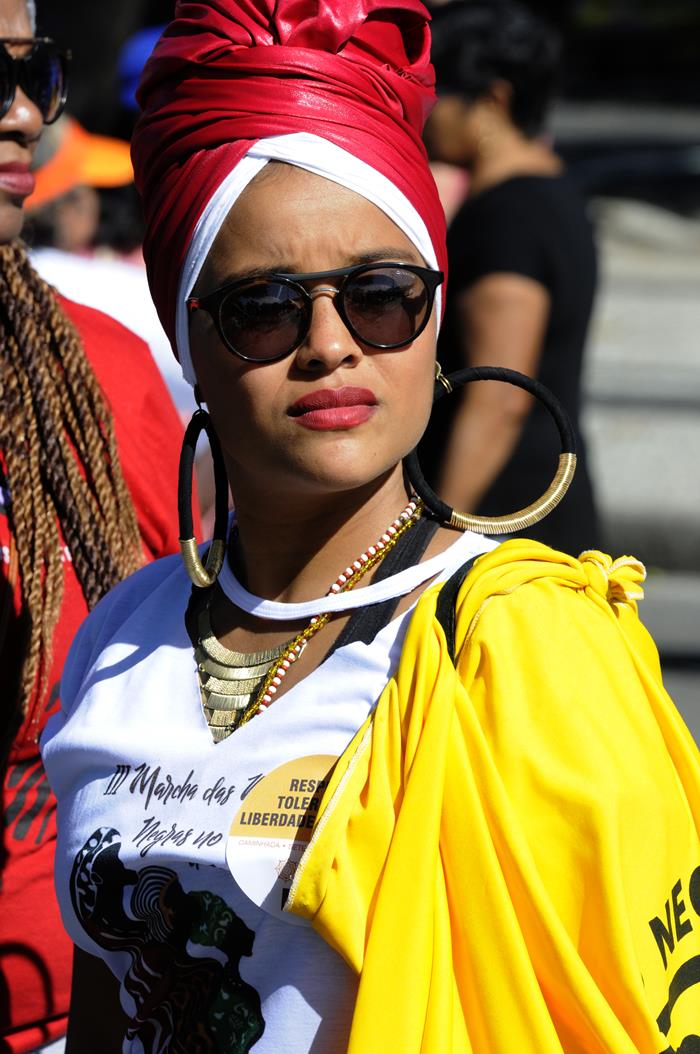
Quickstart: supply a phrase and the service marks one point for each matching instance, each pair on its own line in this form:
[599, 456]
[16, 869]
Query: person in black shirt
[522, 270]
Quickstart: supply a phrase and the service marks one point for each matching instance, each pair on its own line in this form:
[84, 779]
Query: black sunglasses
[41, 73]
[267, 317]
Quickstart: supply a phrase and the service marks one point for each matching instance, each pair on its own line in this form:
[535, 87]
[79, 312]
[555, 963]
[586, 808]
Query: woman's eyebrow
[383, 254]
[390, 252]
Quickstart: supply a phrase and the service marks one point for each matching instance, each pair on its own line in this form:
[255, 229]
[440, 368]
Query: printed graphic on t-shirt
[676, 921]
[272, 828]
[185, 999]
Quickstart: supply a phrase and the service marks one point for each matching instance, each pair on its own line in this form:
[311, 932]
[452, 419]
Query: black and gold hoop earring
[515, 521]
[201, 575]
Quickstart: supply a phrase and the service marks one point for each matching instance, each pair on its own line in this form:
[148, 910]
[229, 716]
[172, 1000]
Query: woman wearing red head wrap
[355, 798]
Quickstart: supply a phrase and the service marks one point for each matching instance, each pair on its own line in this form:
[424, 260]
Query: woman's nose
[23, 120]
[329, 343]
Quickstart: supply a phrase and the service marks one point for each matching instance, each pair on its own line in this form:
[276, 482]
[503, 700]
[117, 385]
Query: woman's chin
[339, 479]
[330, 472]
[348, 465]
[11, 218]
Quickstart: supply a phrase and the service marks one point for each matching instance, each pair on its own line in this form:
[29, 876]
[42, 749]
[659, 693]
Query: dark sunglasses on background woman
[266, 317]
[41, 72]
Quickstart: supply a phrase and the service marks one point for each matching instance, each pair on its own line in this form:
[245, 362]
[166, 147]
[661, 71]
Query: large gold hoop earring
[515, 521]
[201, 575]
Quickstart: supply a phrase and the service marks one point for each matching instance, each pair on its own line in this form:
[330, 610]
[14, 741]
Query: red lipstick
[334, 408]
[16, 178]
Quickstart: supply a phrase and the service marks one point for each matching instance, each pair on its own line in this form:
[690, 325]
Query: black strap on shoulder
[445, 612]
[365, 623]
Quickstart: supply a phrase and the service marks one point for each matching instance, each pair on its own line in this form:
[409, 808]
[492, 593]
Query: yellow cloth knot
[619, 581]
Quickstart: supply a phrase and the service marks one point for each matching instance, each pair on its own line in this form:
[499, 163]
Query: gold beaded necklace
[235, 686]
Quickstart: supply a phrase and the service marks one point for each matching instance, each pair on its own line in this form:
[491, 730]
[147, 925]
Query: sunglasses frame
[16, 67]
[213, 302]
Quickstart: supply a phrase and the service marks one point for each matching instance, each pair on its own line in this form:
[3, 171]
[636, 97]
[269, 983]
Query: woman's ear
[500, 94]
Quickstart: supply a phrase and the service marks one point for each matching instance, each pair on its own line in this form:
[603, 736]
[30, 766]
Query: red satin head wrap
[229, 72]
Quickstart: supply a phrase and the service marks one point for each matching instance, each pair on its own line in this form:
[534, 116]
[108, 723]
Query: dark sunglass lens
[43, 80]
[263, 320]
[6, 81]
[386, 305]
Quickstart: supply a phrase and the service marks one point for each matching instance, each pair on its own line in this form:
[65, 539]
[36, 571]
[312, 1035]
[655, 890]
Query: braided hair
[61, 465]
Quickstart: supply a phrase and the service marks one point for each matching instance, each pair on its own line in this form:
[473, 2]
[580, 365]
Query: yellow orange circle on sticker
[273, 827]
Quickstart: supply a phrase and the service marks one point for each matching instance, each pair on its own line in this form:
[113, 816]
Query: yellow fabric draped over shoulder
[508, 852]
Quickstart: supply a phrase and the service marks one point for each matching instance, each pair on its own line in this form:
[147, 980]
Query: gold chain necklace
[235, 686]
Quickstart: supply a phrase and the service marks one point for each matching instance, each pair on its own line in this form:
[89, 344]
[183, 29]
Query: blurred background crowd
[626, 123]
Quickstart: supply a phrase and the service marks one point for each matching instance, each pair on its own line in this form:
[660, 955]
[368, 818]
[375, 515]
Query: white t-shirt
[174, 854]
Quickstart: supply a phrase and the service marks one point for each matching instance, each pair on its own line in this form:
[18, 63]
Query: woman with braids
[88, 455]
[357, 779]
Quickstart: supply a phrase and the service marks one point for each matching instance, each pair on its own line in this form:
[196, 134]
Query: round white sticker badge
[273, 827]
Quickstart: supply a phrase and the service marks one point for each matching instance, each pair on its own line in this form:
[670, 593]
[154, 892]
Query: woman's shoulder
[509, 227]
[146, 583]
[155, 587]
[143, 611]
[520, 562]
[525, 200]
[527, 598]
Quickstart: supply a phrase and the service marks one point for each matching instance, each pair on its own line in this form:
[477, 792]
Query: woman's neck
[291, 549]
[512, 154]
